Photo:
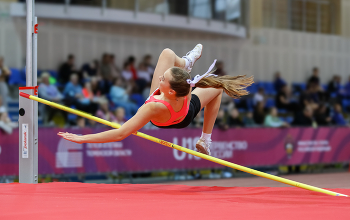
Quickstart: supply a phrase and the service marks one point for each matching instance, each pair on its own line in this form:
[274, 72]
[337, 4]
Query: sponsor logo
[113, 149]
[25, 144]
[219, 149]
[289, 145]
[24, 140]
[314, 146]
[70, 155]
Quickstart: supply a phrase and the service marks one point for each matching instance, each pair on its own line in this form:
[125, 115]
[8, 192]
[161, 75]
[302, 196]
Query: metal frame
[28, 111]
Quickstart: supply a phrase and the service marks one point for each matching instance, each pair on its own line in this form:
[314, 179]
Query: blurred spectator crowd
[104, 89]
[277, 104]
[99, 88]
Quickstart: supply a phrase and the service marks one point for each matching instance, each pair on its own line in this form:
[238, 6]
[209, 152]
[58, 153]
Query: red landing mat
[127, 201]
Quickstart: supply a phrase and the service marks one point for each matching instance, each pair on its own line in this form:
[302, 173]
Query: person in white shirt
[259, 96]
[126, 73]
[143, 73]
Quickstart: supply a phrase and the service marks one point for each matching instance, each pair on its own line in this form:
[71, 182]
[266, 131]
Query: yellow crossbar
[177, 147]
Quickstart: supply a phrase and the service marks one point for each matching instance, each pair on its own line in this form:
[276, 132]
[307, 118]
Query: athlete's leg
[210, 99]
[166, 60]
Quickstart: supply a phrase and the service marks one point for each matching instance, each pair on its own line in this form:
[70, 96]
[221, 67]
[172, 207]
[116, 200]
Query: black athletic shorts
[195, 107]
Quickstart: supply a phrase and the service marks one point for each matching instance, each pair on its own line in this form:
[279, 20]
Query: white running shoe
[192, 56]
[203, 146]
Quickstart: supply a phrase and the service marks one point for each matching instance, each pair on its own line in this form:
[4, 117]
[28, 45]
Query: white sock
[187, 63]
[206, 137]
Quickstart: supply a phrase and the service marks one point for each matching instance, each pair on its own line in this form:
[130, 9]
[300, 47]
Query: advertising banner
[248, 147]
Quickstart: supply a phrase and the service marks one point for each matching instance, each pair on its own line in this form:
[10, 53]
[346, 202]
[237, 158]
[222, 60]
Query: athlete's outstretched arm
[142, 117]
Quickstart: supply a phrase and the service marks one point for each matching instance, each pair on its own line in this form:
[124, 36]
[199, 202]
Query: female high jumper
[171, 103]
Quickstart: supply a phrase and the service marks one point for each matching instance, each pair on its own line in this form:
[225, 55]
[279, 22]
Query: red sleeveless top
[175, 116]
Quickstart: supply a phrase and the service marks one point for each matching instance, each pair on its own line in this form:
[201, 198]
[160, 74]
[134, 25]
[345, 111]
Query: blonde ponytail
[234, 86]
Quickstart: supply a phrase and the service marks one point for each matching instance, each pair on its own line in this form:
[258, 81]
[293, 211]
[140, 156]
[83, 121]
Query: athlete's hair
[234, 86]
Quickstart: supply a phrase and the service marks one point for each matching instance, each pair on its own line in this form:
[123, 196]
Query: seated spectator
[105, 74]
[90, 69]
[259, 113]
[304, 118]
[310, 97]
[126, 73]
[347, 88]
[143, 73]
[278, 82]
[95, 86]
[143, 78]
[119, 115]
[4, 74]
[89, 94]
[66, 69]
[115, 70]
[314, 79]
[220, 69]
[283, 99]
[87, 91]
[259, 96]
[338, 118]
[273, 121]
[81, 122]
[120, 97]
[233, 120]
[248, 120]
[2, 106]
[314, 82]
[131, 61]
[322, 116]
[73, 90]
[104, 112]
[220, 120]
[51, 93]
[74, 96]
[48, 91]
[147, 60]
[334, 85]
[6, 124]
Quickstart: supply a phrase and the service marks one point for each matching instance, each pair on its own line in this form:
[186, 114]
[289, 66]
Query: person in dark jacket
[66, 70]
[259, 113]
[304, 118]
[233, 119]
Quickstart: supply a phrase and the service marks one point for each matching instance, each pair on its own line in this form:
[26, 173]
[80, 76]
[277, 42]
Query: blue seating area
[268, 87]
[17, 77]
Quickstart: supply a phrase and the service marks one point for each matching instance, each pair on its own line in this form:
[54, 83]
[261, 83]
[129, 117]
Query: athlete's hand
[71, 137]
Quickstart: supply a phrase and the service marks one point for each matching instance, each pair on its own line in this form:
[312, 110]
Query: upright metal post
[35, 84]
[28, 111]
[29, 58]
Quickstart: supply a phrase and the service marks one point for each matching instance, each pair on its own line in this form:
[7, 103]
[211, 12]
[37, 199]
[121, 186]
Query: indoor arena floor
[242, 198]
